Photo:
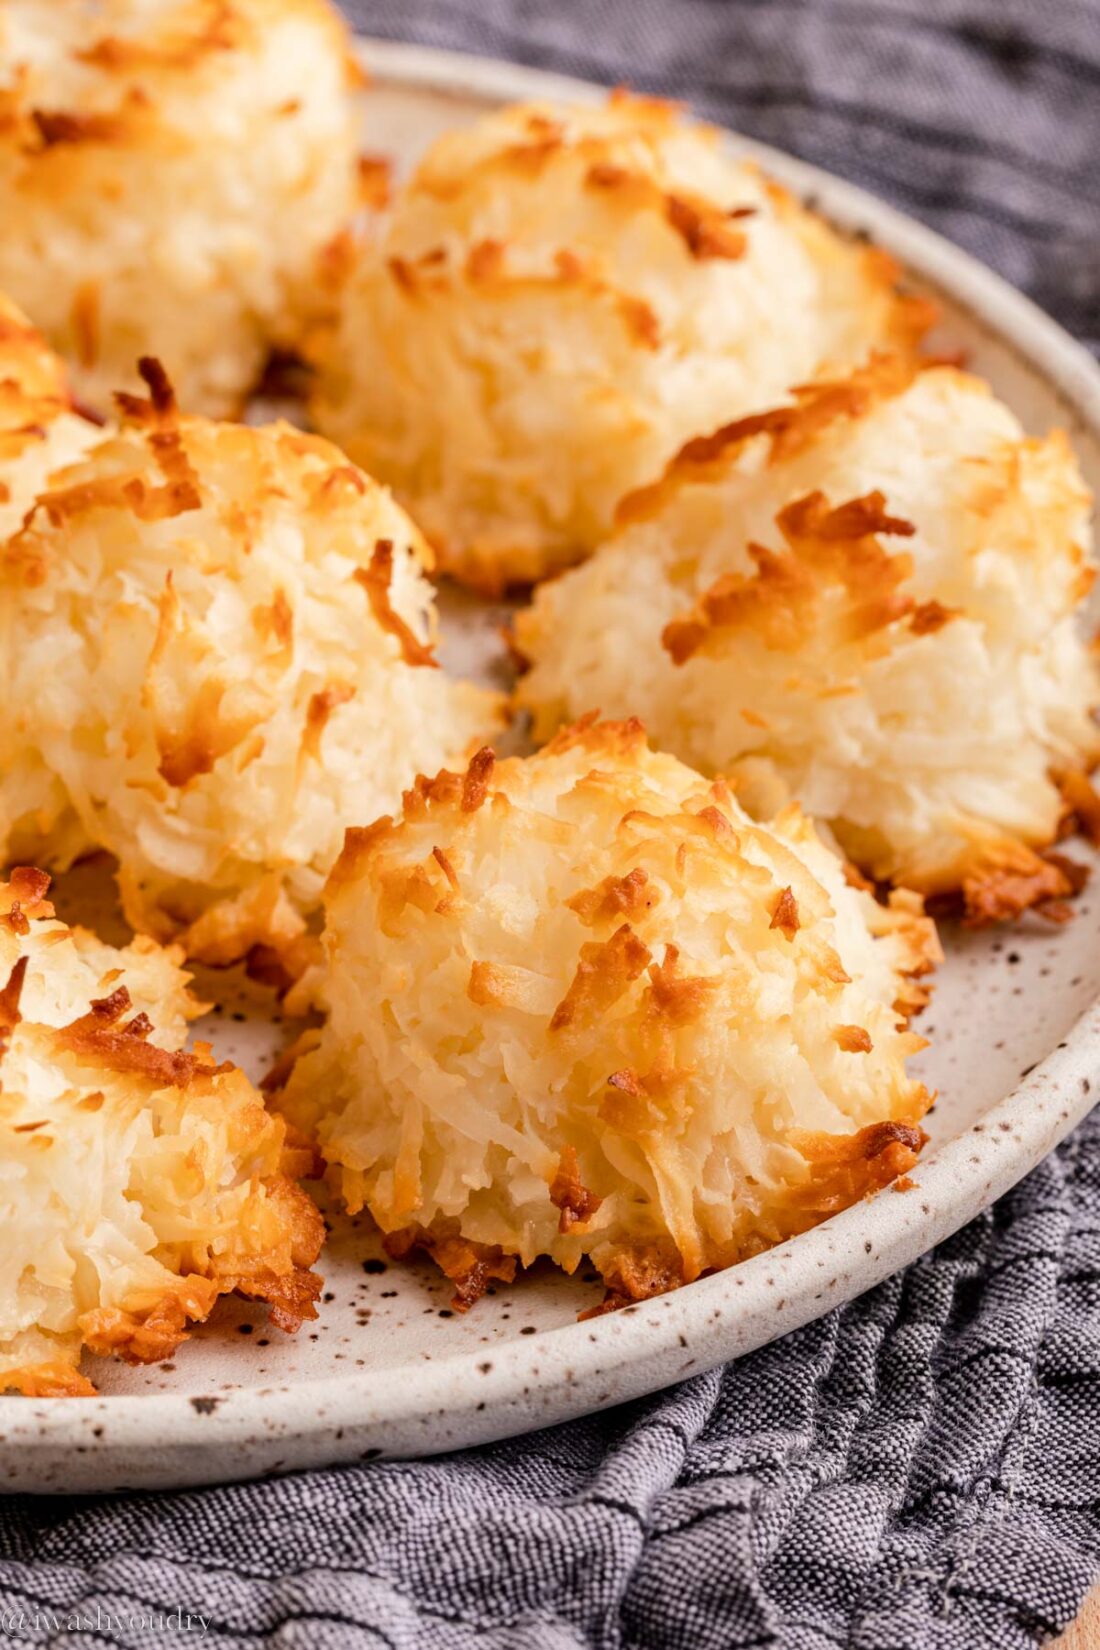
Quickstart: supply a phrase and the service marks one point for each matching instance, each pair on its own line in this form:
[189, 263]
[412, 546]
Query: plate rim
[473, 1397]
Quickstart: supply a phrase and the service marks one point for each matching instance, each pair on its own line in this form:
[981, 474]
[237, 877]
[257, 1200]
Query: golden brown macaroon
[40, 429]
[559, 298]
[870, 601]
[216, 648]
[138, 1183]
[580, 1004]
[171, 173]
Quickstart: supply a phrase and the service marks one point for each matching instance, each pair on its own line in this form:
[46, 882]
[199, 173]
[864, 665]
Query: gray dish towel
[919, 1471]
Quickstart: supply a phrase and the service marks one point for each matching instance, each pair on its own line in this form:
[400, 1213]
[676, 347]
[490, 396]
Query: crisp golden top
[579, 1002]
[143, 1180]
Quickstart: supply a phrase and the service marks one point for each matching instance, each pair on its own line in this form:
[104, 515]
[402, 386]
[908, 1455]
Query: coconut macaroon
[579, 1004]
[40, 430]
[560, 297]
[171, 172]
[138, 1183]
[215, 651]
[868, 601]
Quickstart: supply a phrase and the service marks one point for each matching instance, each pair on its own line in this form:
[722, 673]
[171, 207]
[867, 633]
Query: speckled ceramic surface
[388, 1368]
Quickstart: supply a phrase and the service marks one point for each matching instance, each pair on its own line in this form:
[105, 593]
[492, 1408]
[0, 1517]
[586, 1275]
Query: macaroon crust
[579, 1004]
[40, 427]
[219, 641]
[140, 1183]
[173, 174]
[558, 297]
[868, 600]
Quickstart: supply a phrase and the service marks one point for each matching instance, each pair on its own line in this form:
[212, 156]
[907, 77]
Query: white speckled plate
[388, 1369]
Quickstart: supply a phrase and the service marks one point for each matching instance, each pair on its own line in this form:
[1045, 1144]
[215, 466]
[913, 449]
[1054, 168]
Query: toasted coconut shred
[216, 641]
[138, 1183]
[559, 298]
[566, 1022]
[39, 429]
[172, 173]
[868, 601]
